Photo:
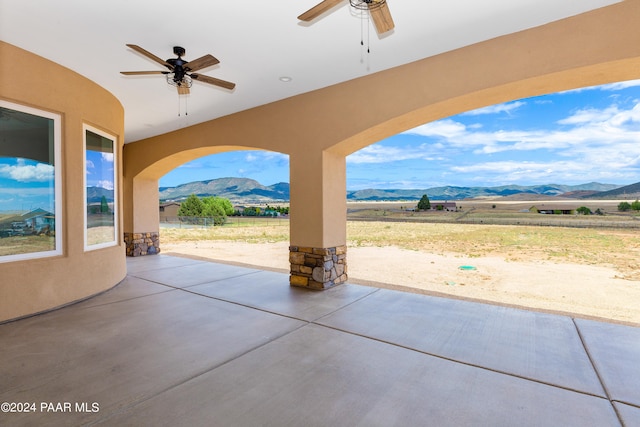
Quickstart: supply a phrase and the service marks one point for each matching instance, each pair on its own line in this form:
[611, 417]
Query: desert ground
[580, 272]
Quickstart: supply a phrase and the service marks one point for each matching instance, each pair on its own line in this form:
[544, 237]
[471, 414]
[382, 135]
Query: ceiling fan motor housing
[178, 50]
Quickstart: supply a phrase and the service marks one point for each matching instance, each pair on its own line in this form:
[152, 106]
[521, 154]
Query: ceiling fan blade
[213, 81]
[183, 90]
[150, 55]
[200, 63]
[318, 10]
[381, 17]
[140, 73]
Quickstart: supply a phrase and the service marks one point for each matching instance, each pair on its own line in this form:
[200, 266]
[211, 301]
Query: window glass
[100, 189]
[30, 184]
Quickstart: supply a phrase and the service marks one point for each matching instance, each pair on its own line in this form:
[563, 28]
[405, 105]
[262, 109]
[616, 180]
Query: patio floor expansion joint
[595, 369]
[204, 371]
[473, 365]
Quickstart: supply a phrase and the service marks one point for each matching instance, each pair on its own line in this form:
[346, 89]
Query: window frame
[116, 207]
[57, 184]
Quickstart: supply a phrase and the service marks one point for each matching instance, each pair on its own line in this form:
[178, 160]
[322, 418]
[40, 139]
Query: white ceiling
[256, 42]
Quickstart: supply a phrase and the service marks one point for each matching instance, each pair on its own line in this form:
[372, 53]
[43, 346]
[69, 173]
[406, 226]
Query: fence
[542, 222]
[230, 221]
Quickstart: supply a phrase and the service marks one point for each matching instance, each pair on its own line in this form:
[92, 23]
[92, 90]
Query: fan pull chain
[186, 106]
[362, 23]
[368, 31]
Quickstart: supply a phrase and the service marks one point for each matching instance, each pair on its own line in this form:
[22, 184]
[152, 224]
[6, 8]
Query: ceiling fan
[378, 10]
[180, 72]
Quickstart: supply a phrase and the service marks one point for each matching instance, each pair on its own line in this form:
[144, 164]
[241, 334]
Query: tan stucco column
[141, 216]
[318, 219]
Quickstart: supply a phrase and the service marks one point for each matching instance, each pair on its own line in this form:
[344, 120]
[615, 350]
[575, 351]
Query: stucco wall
[36, 285]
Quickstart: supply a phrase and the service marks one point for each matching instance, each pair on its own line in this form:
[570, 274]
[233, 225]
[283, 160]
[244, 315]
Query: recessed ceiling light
[285, 79]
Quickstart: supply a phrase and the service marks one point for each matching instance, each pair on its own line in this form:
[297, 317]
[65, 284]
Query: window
[100, 189]
[30, 183]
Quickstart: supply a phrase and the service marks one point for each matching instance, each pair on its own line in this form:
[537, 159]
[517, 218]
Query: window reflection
[100, 189]
[29, 183]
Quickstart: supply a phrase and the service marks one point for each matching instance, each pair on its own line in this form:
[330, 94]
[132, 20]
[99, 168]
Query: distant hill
[94, 194]
[459, 193]
[245, 190]
[238, 190]
[631, 191]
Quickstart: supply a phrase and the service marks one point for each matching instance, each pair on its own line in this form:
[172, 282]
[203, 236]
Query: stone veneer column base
[139, 244]
[317, 268]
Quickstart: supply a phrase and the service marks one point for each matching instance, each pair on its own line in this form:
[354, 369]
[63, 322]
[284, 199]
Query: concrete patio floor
[184, 342]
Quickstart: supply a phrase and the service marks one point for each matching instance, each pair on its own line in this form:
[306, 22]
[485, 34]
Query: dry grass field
[585, 271]
[26, 244]
[619, 249]
[102, 234]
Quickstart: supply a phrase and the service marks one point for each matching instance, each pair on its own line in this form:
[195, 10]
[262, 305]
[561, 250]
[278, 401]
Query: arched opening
[524, 199]
[252, 190]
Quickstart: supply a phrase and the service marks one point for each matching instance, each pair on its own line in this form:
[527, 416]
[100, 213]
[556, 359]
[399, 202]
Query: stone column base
[317, 268]
[139, 244]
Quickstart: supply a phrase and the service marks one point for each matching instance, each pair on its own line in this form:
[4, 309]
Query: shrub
[424, 203]
[624, 206]
[191, 207]
[583, 210]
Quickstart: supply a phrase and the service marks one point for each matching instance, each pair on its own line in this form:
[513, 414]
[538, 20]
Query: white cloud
[605, 137]
[594, 144]
[606, 87]
[107, 157]
[542, 172]
[496, 109]
[380, 153]
[107, 185]
[446, 128]
[90, 164]
[40, 172]
[590, 115]
[620, 85]
[588, 128]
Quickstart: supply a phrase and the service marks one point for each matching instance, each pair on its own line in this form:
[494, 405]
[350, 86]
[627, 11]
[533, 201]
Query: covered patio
[188, 342]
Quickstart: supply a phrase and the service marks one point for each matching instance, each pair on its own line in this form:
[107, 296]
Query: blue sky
[25, 185]
[99, 169]
[573, 137]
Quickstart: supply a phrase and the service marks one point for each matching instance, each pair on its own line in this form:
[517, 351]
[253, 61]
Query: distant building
[444, 206]
[553, 210]
[169, 211]
[37, 221]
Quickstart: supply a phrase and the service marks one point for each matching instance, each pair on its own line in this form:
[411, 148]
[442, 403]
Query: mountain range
[245, 190]
[95, 194]
[238, 190]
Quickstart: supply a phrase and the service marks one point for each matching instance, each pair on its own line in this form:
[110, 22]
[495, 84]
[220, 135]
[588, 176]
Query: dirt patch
[572, 288]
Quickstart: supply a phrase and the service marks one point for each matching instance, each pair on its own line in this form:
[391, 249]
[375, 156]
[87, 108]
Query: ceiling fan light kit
[366, 4]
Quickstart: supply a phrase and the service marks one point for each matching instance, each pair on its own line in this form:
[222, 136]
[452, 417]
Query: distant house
[169, 211]
[270, 212]
[444, 206]
[553, 209]
[38, 221]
